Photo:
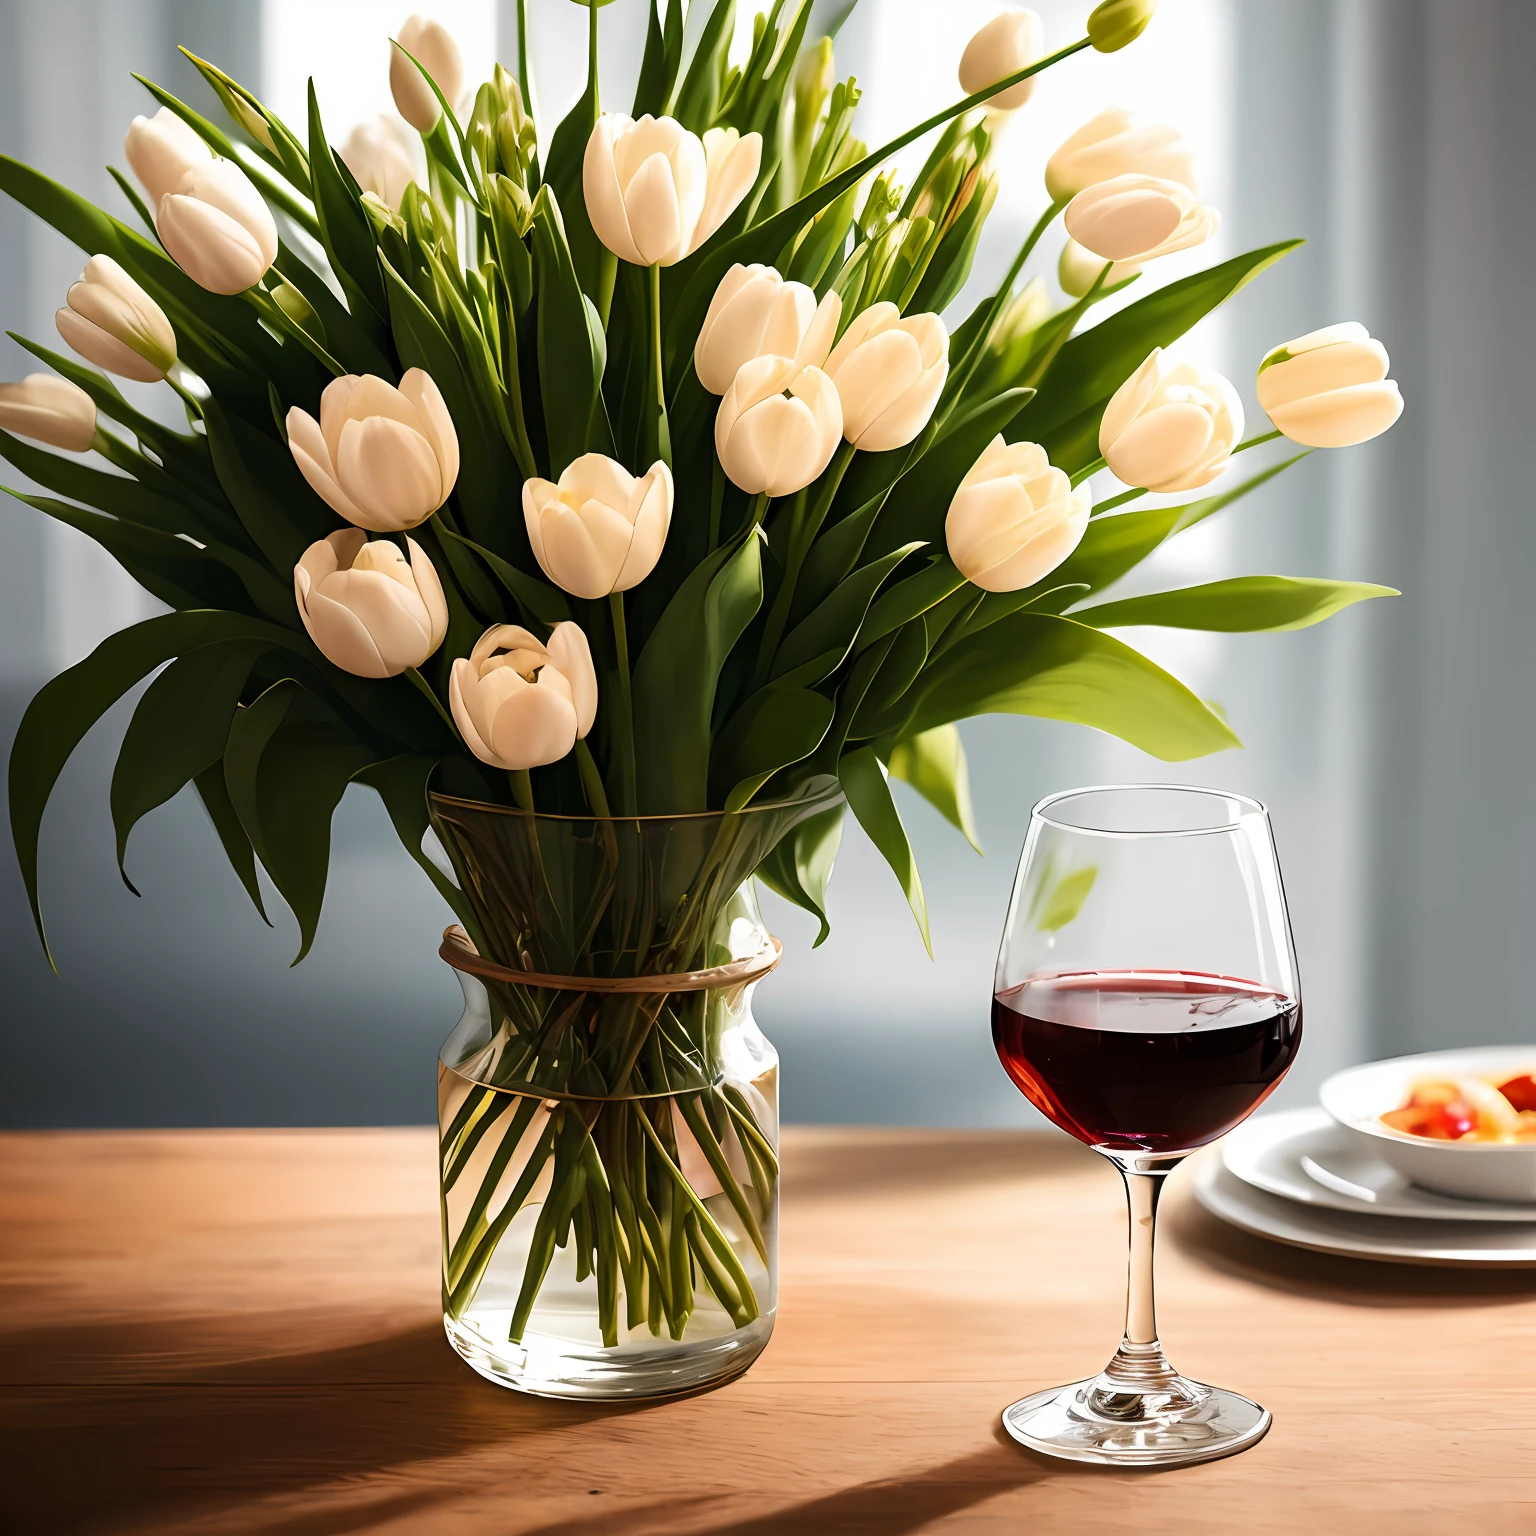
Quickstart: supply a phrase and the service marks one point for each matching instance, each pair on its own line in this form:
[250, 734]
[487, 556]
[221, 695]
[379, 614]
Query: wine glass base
[1071, 1422]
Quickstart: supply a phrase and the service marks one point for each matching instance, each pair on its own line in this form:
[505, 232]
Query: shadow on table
[1361, 1282]
[154, 1439]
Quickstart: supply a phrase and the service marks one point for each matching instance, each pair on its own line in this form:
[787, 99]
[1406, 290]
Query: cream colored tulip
[384, 458]
[1014, 518]
[1078, 270]
[889, 371]
[49, 410]
[110, 321]
[521, 704]
[1111, 145]
[432, 45]
[1171, 426]
[1137, 218]
[1329, 388]
[600, 530]
[378, 154]
[755, 313]
[162, 149]
[655, 193]
[1008, 43]
[370, 612]
[217, 229]
[778, 426]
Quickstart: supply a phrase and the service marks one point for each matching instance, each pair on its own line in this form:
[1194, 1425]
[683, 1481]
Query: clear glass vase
[608, 1107]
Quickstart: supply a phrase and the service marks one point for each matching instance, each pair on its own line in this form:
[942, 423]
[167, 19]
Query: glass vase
[608, 1107]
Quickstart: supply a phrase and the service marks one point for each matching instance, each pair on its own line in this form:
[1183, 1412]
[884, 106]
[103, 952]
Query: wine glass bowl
[1146, 1001]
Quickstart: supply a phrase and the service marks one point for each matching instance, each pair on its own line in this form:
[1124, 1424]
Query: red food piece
[1448, 1121]
[1520, 1091]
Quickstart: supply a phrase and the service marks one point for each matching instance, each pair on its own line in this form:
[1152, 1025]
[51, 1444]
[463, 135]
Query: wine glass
[1147, 1001]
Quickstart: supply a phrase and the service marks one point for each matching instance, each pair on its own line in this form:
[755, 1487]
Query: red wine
[1151, 1061]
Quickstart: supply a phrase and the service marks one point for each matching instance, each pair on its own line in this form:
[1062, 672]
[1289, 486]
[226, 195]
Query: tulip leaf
[594, 266]
[357, 347]
[933, 763]
[662, 60]
[1064, 418]
[1039, 664]
[1241, 605]
[698, 97]
[65, 708]
[910, 599]
[800, 866]
[346, 233]
[543, 602]
[287, 763]
[177, 731]
[869, 796]
[820, 641]
[775, 728]
[678, 671]
[214, 793]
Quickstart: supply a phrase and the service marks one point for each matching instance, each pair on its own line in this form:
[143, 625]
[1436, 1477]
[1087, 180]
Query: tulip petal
[1321, 369]
[1122, 226]
[420, 390]
[433, 598]
[390, 471]
[655, 219]
[342, 637]
[1161, 446]
[106, 351]
[214, 250]
[602, 193]
[570, 652]
[313, 457]
[1341, 418]
[596, 477]
[392, 613]
[462, 679]
[533, 727]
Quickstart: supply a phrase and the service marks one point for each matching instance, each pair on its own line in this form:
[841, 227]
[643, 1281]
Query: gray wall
[1392, 743]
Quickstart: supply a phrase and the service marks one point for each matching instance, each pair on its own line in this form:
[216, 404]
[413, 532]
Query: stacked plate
[1333, 1179]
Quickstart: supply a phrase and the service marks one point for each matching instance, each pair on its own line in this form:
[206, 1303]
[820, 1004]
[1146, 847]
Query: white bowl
[1474, 1170]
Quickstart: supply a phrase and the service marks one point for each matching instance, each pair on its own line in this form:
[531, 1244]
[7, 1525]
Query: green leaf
[869, 795]
[402, 783]
[178, 730]
[910, 599]
[679, 669]
[773, 729]
[287, 763]
[592, 263]
[698, 97]
[800, 867]
[933, 763]
[545, 603]
[1239, 606]
[356, 346]
[662, 60]
[1038, 664]
[1058, 900]
[345, 231]
[214, 793]
[63, 710]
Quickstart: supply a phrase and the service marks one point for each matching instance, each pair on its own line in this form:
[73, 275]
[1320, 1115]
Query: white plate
[1305, 1155]
[1391, 1239]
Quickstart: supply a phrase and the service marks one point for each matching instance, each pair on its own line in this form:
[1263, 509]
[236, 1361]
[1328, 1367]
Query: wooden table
[238, 1332]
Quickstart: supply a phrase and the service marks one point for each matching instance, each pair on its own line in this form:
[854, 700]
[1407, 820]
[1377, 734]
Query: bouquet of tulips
[639, 471]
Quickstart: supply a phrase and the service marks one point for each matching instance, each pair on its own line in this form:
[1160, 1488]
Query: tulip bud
[162, 149]
[1110, 145]
[1171, 426]
[378, 155]
[1008, 43]
[1013, 340]
[1117, 23]
[755, 313]
[1014, 518]
[49, 410]
[1137, 218]
[217, 229]
[500, 130]
[370, 613]
[384, 458]
[432, 46]
[519, 704]
[777, 426]
[655, 193]
[297, 308]
[1078, 270]
[1329, 389]
[599, 530]
[889, 372]
[111, 321]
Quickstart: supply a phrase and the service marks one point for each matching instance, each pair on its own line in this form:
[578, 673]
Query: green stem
[1134, 494]
[625, 721]
[658, 434]
[591, 780]
[522, 788]
[423, 686]
[274, 314]
[1253, 442]
[1087, 472]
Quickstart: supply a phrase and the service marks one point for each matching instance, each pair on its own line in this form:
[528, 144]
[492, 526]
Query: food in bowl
[1491, 1108]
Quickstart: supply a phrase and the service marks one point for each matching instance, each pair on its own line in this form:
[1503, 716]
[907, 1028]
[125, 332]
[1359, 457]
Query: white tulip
[1008, 43]
[655, 193]
[520, 704]
[1078, 270]
[217, 229]
[1329, 388]
[1171, 426]
[600, 530]
[778, 426]
[889, 371]
[1014, 518]
[1136, 218]
[162, 149]
[1111, 145]
[432, 45]
[370, 612]
[110, 321]
[755, 313]
[384, 458]
[49, 410]
[378, 154]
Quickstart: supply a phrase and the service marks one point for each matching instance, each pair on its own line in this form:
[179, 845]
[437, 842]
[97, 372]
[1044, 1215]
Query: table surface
[238, 1332]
